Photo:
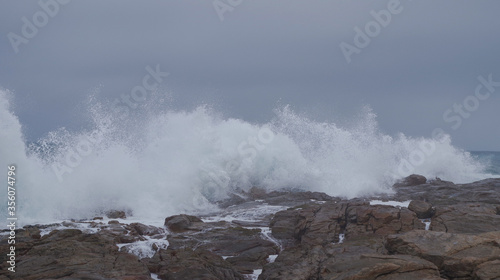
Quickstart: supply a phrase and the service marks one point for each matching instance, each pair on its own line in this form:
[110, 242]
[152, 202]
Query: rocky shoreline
[441, 230]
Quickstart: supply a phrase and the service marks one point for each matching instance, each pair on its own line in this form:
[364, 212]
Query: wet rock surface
[456, 255]
[423, 209]
[183, 223]
[189, 263]
[72, 254]
[282, 235]
[326, 223]
[347, 261]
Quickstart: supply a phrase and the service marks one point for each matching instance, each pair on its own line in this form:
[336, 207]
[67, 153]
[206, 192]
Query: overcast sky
[247, 56]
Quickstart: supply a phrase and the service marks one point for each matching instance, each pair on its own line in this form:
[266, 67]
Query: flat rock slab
[71, 254]
[347, 262]
[188, 264]
[322, 224]
[457, 255]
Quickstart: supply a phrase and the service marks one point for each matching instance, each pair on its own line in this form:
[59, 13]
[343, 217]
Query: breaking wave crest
[157, 162]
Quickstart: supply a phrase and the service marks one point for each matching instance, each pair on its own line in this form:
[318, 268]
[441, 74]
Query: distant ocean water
[490, 159]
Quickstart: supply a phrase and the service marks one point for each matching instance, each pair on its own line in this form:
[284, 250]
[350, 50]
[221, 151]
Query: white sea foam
[84, 227]
[271, 258]
[157, 162]
[256, 273]
[144, 248]
[391, 203]
[341, 238]
[427, 223]
[246, 213]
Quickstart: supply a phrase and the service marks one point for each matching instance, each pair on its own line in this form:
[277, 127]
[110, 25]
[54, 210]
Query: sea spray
[161, 161]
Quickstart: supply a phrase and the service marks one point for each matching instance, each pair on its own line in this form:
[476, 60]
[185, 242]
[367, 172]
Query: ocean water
[491, 160]
[158, 161]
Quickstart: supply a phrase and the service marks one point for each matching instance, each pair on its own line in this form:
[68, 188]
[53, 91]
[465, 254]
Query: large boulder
[326, 223]
[142, 229]
[441, 193]
[71, 254]
[252, 259]
[116, 214]
[245, 249]
[380, 220]
[183, 223]
[412, 180]
[456, 255]
[290, 225]
[346, 262]
[466, 218]
[188, 264]
[488, 271]
[423, 209]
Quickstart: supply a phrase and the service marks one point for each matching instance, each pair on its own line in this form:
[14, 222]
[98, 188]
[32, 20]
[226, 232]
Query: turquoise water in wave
[490, 159]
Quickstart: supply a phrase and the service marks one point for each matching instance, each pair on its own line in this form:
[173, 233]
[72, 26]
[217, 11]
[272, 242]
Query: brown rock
[187, 264]
[245, 249]
[257, 193]
[441, 193]
[295, 263]
[323, 224]
[457, 255]
[251, 259]
[289, 226]
[326, 224]
[412, 180]
[182, 223]
[142, 229]
[466, 218]
[375, 266]
[488, 271]
[346, 261]
[115, 214]
[423, 209]
[71, 254]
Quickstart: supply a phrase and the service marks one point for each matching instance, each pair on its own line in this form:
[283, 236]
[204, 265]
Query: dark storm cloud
[424, 61]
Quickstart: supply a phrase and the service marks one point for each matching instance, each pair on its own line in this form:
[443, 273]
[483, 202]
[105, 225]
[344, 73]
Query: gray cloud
[427, 59]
